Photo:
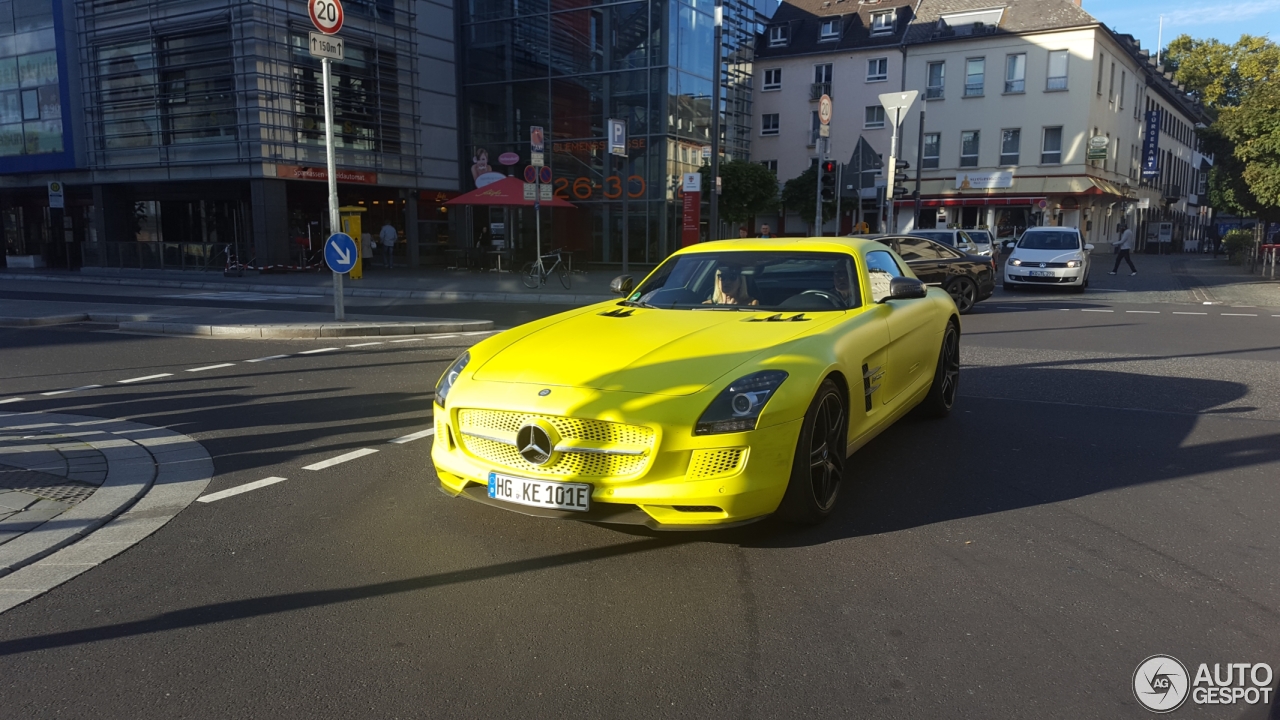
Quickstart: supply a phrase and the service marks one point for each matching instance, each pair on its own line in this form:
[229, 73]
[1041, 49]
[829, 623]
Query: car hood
[1034, 256]
[659, 352]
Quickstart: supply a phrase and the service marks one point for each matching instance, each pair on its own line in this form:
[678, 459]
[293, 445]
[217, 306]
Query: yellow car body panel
[626, 392]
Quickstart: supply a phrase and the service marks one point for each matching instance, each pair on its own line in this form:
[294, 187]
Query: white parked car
[1048, 256]
[951, 237]
[983, 243]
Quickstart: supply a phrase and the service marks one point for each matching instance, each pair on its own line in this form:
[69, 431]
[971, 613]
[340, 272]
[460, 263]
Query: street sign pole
[897, 103]
[920, 163]
[817, 205]
[823, 143]
[335, 222]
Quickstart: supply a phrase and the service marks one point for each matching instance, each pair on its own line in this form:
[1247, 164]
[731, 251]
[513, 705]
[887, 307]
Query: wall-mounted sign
[1098, 146]
[984, 181]
[1151, 145]
[56, 198]
[294, 172]
[617, 137]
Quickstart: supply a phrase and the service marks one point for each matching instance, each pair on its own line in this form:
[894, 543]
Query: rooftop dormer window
[830, 30]
[779, 36]
[882, 23]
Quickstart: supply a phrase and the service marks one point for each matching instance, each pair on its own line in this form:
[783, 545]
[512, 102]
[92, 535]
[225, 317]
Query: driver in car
[731, 288]
[843, 289]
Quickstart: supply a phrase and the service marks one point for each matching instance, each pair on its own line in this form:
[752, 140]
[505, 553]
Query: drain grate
[44, 485]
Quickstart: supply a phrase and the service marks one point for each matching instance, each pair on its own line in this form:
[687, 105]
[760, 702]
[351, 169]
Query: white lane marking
[211, 497]
[1175, 312]
[144, 377]
[6, 401]
[1088, 310]
[1007, 307]
[408, 340]
[413, 436]
[480, 332]
[340, 459]
[366, 344]
[210, 367]
[1144, 312]
[269, 357]
[317, 350]
[445, 337]
[69, 390]
[1239, 315]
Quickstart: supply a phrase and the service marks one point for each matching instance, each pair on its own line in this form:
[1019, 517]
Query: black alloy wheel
[964, 292]
[817, 470]
[946, 378]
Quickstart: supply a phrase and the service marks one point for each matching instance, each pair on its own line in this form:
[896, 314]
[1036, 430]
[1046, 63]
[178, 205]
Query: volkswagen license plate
[540, 493]
[1041, 273]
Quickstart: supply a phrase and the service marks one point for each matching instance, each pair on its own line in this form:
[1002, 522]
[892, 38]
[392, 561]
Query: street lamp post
[713, 216]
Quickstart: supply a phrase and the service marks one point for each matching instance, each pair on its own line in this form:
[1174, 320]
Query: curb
[157, 325]
[151, 477]
[435, 295]
[75, 318]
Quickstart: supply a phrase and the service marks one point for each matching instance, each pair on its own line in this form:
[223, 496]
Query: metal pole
[858, 191]
[713, 217]
[892, 174]
[839, 192]
[626, 205]
[920, 164]
[817, 210]
[335, 222]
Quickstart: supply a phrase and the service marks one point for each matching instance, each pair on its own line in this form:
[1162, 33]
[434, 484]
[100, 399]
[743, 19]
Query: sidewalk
[1183, 278]
[431, 284]
[223, 323]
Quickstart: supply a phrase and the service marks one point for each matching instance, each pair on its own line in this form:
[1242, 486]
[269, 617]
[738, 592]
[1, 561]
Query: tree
[800, 193]
[1254, 127]
[747, 189]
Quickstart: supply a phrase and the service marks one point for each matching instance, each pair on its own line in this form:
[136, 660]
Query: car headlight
[1015, 261]
[451, 376]
[737, 407]
[1073, 263]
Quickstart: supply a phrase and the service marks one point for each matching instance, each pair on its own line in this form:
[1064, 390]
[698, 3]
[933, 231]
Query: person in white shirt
[388, 237]
[1122, 250]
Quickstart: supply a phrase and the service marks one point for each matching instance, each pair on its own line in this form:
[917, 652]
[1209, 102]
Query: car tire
[964, 292]
[817, 470]
[946, 376]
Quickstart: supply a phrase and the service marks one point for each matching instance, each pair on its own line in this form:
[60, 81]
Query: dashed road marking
[269, 357]
[1144, 312]
[442, 337]
[479, 332]
[1188, 313]
[317, 350]
[366, 344]
[408, 340]
[1239, 315]
[211, 497]
[145, 377]
[210, 367]
[1093, 310]
[340, 459]
[6, 401]
[413, 436]
[71, 390]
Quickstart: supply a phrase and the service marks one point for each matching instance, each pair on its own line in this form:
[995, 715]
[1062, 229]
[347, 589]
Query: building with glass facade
[568, 66]
[181, 127]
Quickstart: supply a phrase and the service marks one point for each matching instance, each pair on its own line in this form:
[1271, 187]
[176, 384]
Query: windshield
[752, 281]
[982, 237]
[1050, 240]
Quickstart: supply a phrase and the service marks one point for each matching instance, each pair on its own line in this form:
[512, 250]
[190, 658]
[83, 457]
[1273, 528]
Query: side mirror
[620, 285]
[1088, 247]
[905, 288]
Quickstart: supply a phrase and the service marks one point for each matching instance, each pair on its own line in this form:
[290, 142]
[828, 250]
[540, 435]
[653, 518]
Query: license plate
[540, 493]
[1041, 273]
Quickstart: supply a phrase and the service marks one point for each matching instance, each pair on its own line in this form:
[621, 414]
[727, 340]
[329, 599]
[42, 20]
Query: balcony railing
[933, 93]
[817, 90]
[1057, 83]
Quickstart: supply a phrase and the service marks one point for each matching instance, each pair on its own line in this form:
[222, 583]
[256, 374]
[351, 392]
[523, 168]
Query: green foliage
[747, 189]
[800, 193]
[1237, 243]
[1237, 84]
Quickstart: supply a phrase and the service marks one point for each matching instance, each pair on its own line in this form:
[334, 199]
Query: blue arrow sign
[340, 253]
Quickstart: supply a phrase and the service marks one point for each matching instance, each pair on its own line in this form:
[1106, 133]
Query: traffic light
[828, 190]
[900, 179]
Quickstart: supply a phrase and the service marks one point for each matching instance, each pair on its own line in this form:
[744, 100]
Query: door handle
[941, 265]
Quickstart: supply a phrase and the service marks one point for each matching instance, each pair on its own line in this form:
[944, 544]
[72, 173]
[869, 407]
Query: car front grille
[1051, 280]
[615, 449]
[1035, 265]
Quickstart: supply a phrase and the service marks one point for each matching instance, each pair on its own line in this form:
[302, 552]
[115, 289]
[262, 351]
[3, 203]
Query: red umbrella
[507, 191]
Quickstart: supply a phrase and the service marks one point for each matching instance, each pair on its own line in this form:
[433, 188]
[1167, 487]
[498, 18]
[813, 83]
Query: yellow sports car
[732, 384]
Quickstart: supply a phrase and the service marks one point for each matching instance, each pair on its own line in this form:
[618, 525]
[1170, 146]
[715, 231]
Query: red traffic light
[828, 167]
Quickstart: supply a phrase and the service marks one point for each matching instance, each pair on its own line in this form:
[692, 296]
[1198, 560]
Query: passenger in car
[731, 288]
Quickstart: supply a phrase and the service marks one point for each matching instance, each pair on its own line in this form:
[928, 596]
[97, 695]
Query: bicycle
[535, 273]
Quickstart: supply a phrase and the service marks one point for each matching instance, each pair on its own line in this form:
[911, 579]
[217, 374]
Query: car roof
[1052, 228]
[795, 244]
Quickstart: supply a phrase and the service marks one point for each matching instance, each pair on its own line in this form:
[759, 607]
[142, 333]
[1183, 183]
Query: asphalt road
[1106, 490]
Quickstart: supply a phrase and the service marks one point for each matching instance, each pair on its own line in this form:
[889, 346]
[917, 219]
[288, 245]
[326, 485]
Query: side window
[881, 268]
[917, 249]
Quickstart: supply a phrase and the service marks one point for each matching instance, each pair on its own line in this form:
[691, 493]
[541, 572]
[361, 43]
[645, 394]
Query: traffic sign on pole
[824, 109]
[326, 15]
[340, 253]
[323, 46]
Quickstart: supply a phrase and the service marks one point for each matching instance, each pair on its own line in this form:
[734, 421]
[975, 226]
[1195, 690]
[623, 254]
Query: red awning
[507, 191]
[971, 201]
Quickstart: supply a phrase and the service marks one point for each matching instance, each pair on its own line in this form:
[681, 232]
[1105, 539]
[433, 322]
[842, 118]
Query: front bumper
[1054, 276]
[681, 481]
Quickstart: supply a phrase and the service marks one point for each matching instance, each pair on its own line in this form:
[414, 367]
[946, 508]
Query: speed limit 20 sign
[326, 15]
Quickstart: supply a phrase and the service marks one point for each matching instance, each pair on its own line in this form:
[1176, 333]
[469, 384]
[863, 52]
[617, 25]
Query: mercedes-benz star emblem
[534, 444]
[1044, 264]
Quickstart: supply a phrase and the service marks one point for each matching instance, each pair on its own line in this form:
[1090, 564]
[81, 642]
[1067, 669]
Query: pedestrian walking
[388, 237]
[1122, 250]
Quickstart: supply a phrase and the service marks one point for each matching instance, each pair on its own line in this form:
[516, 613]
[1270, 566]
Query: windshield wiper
[637, 303]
